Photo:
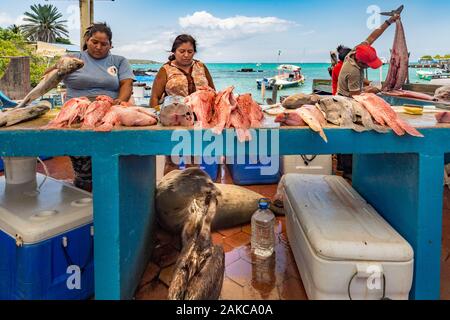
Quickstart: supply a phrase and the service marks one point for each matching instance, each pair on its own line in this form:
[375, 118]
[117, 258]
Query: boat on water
[289, 76]
[433, 74]
[143, 75]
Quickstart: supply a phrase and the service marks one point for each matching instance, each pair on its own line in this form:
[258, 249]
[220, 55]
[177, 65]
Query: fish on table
[383, 113]
[65, 66]
[201, 103]
[399, 63]
[410, 94]
[101, 115]
[127, 117]
[306, 115]
[12, 116]
[175, 112]
[298, 100]
[443, 94]
[443, 117]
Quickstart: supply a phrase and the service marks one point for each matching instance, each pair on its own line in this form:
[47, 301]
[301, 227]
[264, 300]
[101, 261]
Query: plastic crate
[251, 173]
[211, 169]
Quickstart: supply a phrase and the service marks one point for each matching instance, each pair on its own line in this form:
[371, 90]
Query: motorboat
[432, 74]
[288, 76]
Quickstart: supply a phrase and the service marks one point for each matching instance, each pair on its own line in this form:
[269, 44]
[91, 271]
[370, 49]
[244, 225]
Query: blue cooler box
[211, 169]
[250, 172]
[46, 241]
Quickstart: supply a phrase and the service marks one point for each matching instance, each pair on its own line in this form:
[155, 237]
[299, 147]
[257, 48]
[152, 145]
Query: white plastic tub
[307, 164]
[343, 248]
[20, 170]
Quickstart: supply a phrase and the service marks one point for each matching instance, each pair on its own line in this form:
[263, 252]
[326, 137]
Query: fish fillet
[398, 67]
[382, 111]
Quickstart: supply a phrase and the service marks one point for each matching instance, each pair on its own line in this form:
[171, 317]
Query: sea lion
[176, 191]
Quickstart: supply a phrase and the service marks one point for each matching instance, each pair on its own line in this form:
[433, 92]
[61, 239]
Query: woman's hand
[117, 102]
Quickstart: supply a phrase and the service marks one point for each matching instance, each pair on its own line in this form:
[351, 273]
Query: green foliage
[427, 58]
[44, 24]
[63, 41]
[14, 45]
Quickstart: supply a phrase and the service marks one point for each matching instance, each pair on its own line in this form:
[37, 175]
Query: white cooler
[343, 248]
[321, 164]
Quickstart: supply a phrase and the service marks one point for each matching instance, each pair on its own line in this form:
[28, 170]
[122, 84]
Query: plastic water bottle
[263, 230]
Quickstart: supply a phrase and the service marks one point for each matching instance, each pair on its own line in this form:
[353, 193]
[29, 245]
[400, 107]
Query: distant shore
[141, 61]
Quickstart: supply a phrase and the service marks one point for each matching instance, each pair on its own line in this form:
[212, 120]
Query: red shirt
[335, 76]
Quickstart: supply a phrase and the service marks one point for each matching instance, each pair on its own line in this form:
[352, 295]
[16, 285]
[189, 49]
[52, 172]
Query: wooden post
[15, 83]
[274, 93]
[86, 18]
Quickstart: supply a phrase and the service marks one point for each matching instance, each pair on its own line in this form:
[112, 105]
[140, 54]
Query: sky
[253, 30]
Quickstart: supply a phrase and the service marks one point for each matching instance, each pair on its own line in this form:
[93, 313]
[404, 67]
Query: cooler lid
[35, 217]
[340, 224]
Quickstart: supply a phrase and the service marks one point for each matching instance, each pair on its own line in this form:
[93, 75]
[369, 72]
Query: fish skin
[399, 63]
[443, 94]
[71, 112]
[95, 113]
[366, 118]
[126, 116]
[64, 66]
[443, 117]
[290, 118]
[381, 109]
[251, 109]
[225, 103]
[201, 103]
[12, 116]
[410, 94]
[409, 129]
[300, 99]
[309, 116]
[339, 111]
[176, 113]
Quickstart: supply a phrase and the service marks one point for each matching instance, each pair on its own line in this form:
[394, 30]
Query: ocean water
[226, 74]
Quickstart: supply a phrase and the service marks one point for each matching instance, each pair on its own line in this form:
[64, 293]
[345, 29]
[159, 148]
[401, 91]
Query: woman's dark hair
[94, 28]
[182, 38]
[343, 51]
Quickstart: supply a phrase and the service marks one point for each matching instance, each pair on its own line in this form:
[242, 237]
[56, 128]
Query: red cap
[368, 55]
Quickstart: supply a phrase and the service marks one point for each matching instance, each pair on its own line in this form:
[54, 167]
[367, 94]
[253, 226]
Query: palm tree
[14, 28]
[44, 24]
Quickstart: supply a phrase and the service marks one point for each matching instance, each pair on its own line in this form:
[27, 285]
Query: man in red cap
[351, 78]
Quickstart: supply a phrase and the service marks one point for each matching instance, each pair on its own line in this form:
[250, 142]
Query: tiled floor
[246, 278]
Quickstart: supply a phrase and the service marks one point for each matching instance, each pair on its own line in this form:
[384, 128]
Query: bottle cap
[264, 203]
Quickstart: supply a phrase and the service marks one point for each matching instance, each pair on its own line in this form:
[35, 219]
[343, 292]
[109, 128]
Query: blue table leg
[123, 192]
[406, 189]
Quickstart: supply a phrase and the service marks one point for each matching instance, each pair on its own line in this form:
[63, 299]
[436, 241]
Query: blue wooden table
[402, 177]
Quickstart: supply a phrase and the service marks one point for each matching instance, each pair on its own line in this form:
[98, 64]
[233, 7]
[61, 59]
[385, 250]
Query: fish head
[67, 65]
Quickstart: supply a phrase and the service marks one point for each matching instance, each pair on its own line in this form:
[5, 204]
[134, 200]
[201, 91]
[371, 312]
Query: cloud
[7, 20]
[211, 30]
[156, 48]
